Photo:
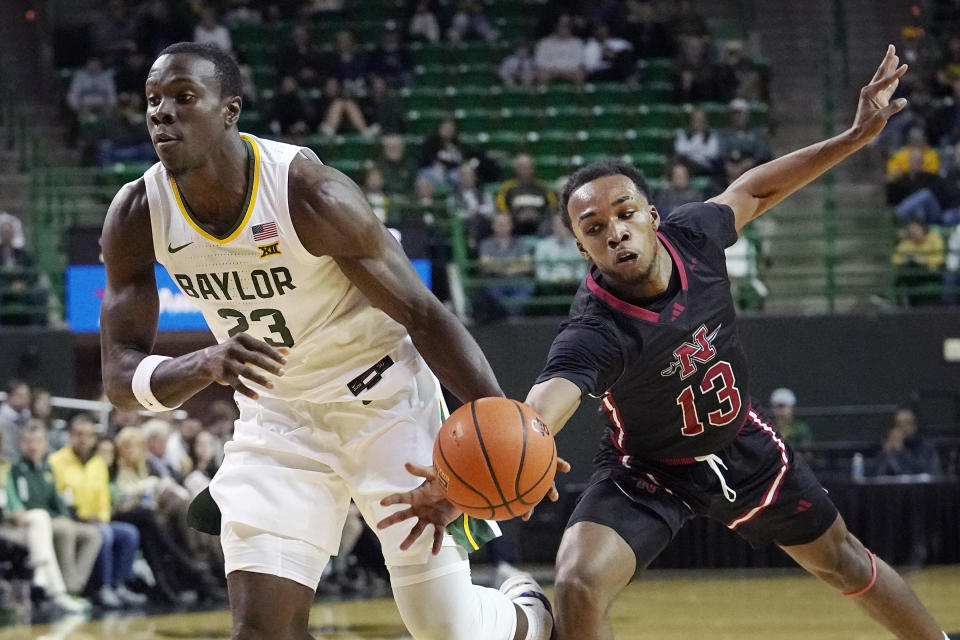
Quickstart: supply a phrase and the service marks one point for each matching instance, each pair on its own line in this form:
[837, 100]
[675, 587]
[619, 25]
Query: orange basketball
[495, 458]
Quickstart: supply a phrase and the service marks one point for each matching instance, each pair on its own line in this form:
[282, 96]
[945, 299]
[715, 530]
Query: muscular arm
[762, 187]
[128, 319]
[555, 400]
[332, 218]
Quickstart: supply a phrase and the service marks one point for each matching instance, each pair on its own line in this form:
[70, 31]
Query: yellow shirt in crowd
[89, 483]
[899, 163]
[929, 252]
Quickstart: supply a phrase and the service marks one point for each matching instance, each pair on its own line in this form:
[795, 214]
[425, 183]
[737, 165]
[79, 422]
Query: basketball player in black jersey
[652, 333]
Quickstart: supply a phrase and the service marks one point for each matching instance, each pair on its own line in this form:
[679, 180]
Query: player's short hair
[227, 71]
[601, 169]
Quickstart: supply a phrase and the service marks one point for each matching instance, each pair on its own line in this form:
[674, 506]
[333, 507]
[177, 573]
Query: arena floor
[676, 605]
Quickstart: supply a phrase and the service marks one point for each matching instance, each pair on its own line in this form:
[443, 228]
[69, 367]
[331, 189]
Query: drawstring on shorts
[714, 462]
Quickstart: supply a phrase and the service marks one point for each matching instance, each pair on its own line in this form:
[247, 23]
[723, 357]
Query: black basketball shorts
[775, 496]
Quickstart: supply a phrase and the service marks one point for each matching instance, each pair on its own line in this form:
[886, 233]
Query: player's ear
[655, 215]
[583, 251]
[231, 110]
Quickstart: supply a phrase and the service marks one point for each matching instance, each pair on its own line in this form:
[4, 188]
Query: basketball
[495, 458]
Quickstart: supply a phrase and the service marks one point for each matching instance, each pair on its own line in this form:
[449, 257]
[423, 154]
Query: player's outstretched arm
[764, 186]
[556, 400]
[128, 321]
[332, 217]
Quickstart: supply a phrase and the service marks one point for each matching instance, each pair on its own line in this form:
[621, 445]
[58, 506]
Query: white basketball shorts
[292, 468]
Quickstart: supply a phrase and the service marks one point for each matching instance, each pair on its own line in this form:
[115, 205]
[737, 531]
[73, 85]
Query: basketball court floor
[674, 605]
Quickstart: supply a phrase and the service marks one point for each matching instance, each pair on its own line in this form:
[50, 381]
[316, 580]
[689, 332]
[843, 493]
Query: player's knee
[579, 590]
[251, 630]
[848, 566]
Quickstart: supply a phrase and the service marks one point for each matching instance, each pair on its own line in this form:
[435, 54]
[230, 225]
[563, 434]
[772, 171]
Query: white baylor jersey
[258, 278]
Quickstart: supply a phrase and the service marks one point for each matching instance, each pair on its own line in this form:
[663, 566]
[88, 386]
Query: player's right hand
[244, 357]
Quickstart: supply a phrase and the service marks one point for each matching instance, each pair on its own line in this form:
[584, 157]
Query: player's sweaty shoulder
[128, 208]
[328, 210]
[127, 230]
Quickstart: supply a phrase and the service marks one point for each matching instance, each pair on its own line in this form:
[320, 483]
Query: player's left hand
[562, 467]
[427, 504]
[875, 108]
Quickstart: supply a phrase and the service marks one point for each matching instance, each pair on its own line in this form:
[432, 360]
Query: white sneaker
[129, 597]
[70, 604]
[107, 599]
[523, 590]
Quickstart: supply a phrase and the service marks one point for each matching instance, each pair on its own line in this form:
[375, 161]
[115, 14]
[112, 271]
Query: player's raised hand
[875, 108]
[244, 357]
[427, 504]
[563, 467]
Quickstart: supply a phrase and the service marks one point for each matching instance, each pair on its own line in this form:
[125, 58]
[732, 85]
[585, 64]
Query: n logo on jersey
[689, 354]
[269, 249]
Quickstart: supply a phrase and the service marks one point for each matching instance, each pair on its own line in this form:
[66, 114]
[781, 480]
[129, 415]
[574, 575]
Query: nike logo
[173, 249]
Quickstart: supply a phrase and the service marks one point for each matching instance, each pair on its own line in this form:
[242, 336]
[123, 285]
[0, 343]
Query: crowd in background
[96, 514]
[504, 208]
[922, 143]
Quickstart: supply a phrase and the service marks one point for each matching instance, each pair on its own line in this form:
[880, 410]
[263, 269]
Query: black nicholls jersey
[673, 383]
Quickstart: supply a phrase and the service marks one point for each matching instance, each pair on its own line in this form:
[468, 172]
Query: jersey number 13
[718, 379]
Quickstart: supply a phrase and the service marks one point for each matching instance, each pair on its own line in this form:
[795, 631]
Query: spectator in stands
[41, 408]
[918, 193]
[556, 257]
[899, 162]
[14, 417]
[203, 458]
[382, 109]
[123, 139]
[918, 259]
[392, 60]
[113, 35]
[736, 76]
[129, 75]
[559, 56]
[300, 58]
[442, 154]
[337, 106]
[503, 255]
[750, 141]
[948, 69]
[424, 207]
[951, 274]
[155, 434]
[151, 503]
[519, 68]
[83, 477]
[92, 91]
[220, 423]
[470, 22]
[687, 22]
[678, 191]
[159, 26]
[32, 528]
[608, 58]
[397, 168]
[19, 240]
[474, 206]
[794, 430]
[242, 12]
[288, 113]
[373, 190]
[210, 31]
[176, 452]
[347, 63]
[905, 451]
[648, 35]
[23, 293]
[528, 200]
[423, 24]
[77, 544]
[743, 270]
[692, 77]
[944, 123]
[919, 111]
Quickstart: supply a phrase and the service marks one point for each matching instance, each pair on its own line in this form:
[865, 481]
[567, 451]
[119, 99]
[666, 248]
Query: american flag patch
[264, 231]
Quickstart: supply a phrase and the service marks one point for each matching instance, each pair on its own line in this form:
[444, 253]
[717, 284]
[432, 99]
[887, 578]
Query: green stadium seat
[555, 142]
[656, 70]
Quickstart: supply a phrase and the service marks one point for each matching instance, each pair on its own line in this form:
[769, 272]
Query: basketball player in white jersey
[329, 339]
